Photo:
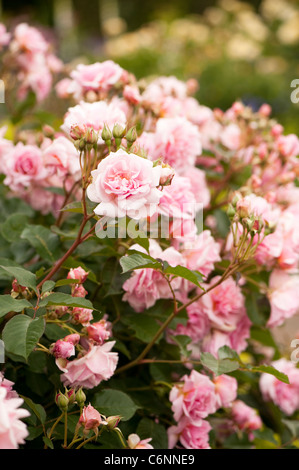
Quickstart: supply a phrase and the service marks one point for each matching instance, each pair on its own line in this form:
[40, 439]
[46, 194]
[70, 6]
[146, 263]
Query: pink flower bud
[77, 132]
[62, 349]
[134, 442]
[62, 401]
[78, 291]
[90, 418]
[78, 273]
[167, 174]
[74, 338]
[99, 331]
[82, 315]
[265, 110]
[112, 421]
[131, 94]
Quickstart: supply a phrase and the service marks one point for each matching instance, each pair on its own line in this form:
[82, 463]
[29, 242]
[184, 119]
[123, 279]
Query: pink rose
[134, 442]
[131, 94]
[94, 115]
[226, 388]
[61, 158]
[125, 184]
[178, 141]
[191, 436]
[99, 331]
[12, 430]
[283, 296]
[194, 398]
[62, 349]
[90, 418]
[24, 166]
[285, 396]
[4, 35]
[98, 364]
[231, 136]
[82, 315]
[29, 39]
[146, 286]
[78, 273]
[245, 417]
[100, 76]
[202, 253]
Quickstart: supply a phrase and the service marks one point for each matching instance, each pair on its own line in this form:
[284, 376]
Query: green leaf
[182, 341]
[75, 206]
[60, 298]
[9, 304]
[13, 226]
[48, 442]
[148, 428]
[38, 410]
[193, 276]
[21, 334]
[270, 370]
[138, 261]
[144, 326]
[218, 366]
[43, 240]
[48, 286]
[111, 402]
[25, 278]
[293, 426]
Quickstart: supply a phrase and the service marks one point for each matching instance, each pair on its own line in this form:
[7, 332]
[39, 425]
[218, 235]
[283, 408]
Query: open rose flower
[125, 184]
[13, 431]
[98, 364]
[194, 398]
[191, 436]
[134, 442]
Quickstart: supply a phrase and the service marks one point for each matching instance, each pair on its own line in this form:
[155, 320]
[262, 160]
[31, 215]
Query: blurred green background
[236, 49]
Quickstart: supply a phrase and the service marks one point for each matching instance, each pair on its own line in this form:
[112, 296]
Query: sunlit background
[236, 49]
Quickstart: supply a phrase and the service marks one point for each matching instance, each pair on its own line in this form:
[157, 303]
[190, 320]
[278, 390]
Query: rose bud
[78, 273]
[98, 331]
[90, 418]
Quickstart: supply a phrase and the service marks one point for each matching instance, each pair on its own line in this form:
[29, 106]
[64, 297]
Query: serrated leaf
[270, 370]
[25, 278]
[43, 240]
[13, 226]
[138, 261]
[181, 271]
[218, 366]
[9, 304]
[48, 286]
[21, 334]
[111, 402]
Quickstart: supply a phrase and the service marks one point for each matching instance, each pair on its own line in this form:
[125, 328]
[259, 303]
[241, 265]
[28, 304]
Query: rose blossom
[283, 296]
[90, 418]
[226, 390]
[99, 331]
[62, 349]
[125, 184]
[94, 115]
[23, 165]
[194, 398]
[285, 396]
[100, 76]
[12, 430]
[202, 253]
[147, 285]
[82, 315]
[78, 273]
[191, 436]
[4, 36]
[98, 364]
[245, 417]
[134, 442]
[177, 140]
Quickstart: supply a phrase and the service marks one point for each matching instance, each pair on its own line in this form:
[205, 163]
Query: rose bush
[148, 249]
